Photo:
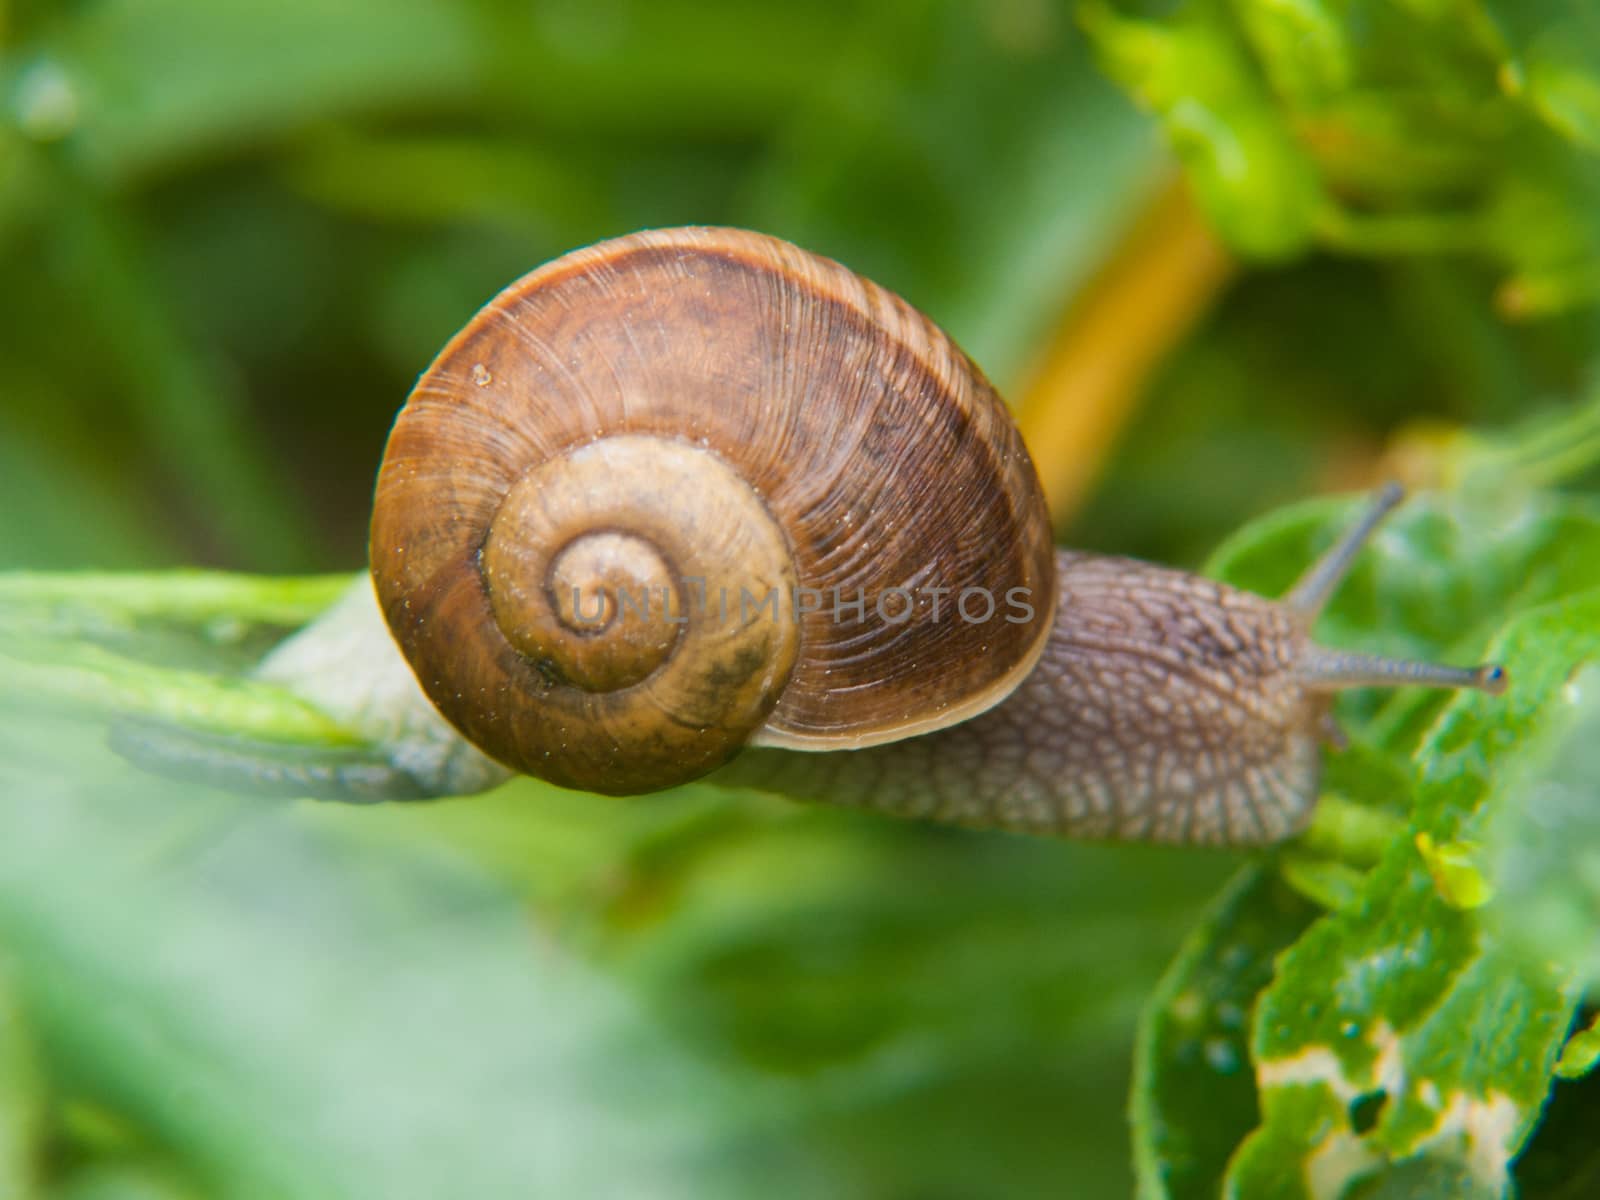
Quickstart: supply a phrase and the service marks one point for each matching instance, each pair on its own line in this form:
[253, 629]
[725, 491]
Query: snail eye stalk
[1326, 669]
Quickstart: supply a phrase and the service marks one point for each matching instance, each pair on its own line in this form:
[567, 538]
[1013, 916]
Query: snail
[697, 503]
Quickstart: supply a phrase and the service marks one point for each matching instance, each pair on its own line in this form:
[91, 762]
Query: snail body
[1164, 709]
[694, 490]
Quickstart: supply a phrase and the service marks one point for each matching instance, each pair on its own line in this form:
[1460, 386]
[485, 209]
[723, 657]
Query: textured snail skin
[1164, 709]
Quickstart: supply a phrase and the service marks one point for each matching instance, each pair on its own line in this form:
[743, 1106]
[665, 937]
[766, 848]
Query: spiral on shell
[647, 506]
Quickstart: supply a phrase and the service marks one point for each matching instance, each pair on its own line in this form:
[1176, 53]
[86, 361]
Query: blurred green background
[232, 232]
[235, 232]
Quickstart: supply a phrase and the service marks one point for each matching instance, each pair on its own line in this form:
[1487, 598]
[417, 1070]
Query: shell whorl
[700, 415]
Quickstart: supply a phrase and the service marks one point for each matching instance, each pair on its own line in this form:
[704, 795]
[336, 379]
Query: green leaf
[1581, 1053]
[297, 1016]
[1361, 1043]
[207, 621]
[540, 991]
[1316, 121]
[1457, 870]
[1258, 186]
[1194, 1096]
[1546, 842]
[21, 1105]
[172, 646]
[1440, 577]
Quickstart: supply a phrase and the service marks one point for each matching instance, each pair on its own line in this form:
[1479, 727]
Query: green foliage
[1320, 121]
[174, 647]
[542, 993]
[820, 979]
[234, 231]
[1194, 1098]
[1547, 843]
[1378, 1002]
[1404, 1023]
[21, 1115]
[245, 226]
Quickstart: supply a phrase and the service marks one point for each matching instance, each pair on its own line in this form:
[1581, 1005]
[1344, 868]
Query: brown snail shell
[702, 415]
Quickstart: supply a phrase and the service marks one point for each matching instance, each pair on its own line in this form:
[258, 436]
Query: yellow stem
[1150, 292]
